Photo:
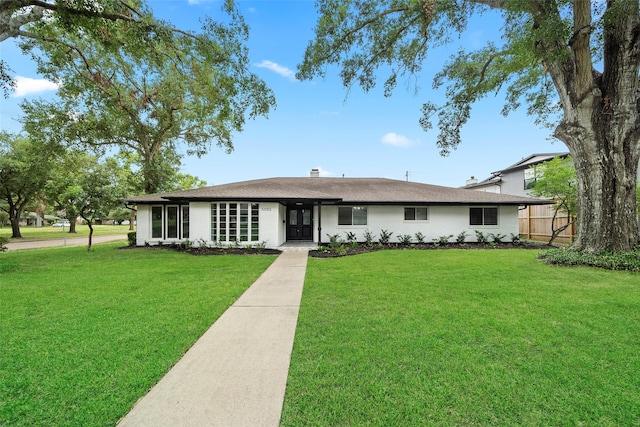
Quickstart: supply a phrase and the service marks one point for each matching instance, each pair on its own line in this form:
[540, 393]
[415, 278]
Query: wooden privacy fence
[535, 224]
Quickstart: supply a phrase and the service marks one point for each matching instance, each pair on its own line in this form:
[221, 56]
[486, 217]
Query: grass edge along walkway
[464, 338]
[85, 335]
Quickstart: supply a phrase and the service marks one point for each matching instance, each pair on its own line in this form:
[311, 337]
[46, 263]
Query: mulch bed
[208, 251]
[360, 249]
[348, 250]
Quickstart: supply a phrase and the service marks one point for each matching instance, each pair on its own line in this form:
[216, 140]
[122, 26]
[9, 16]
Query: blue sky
[318, 124]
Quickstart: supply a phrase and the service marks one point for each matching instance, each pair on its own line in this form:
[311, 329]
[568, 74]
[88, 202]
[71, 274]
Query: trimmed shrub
[385, 236]
[461, 237]
[131, 237]
[405, 239]
[480, 236]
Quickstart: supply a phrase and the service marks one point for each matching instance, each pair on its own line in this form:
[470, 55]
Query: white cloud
[27, 86]
[396, 140]
[278, 69]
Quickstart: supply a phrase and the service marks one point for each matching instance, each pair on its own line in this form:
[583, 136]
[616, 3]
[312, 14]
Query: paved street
[71, 241]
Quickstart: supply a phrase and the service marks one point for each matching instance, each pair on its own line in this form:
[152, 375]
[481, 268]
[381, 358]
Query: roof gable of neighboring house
[336, 190]
[531, 160]
[507, 175]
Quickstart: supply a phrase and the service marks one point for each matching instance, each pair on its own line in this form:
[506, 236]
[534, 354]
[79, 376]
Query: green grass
[85, 335]
[451, 338]
[48, 232]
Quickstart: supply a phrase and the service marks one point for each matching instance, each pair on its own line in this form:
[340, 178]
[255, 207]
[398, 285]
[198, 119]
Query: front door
[300, 223]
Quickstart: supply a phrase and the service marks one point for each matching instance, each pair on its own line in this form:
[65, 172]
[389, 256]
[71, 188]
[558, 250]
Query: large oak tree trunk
[601, 125]
[606, 172]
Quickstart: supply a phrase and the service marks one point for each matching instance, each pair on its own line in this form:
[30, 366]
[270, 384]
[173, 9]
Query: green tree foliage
[130, 182]
[556, 180]
[18, 18]
[25, 167]
[574, 64]
[148, 95]
[95, 193]
[64, 191]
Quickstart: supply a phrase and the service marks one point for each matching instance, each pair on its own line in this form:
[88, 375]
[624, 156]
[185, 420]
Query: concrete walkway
[236, 373]
[69, 241]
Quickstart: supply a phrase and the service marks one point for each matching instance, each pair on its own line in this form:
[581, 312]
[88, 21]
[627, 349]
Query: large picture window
[415, 214]
[231, 222]
[353, 215]
[483, 216]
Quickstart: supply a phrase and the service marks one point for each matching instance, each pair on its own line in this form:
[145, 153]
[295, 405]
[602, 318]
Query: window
[223, 222]
[232, 222]
[415, 214]
[244, 222]
[255, 222]
[185, 222]
[483, 216]
[531, 176]
[156, 222]
[356, 215]
[170, 222]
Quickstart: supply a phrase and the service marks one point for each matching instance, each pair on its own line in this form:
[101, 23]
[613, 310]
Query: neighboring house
[517, 179]
[278, 210]
[536, 222]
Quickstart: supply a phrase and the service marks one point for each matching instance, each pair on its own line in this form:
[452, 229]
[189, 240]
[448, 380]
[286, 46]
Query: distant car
[61, 224]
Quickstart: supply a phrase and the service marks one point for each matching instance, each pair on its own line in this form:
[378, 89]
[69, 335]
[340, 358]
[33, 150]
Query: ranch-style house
[274, 211]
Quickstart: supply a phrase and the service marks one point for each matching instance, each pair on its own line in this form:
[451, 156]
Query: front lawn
[85, 334]
[49, 232]
[464, 338]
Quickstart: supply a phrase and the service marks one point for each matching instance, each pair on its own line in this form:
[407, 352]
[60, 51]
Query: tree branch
[581, 48]
[493, 4]
[57, 7]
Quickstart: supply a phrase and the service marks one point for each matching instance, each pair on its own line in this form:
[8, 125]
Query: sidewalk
[236, 373]
[69, 241]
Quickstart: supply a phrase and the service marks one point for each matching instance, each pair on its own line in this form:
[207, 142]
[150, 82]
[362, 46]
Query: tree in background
[25, 167]
[574, 63]
[147, 95]
[97, 194]
[131, 183]
[557, 181]
[64, 191]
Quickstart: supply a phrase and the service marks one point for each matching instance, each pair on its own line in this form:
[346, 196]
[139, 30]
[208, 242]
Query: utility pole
[407, 175]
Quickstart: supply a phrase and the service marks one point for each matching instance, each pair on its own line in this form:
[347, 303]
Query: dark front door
[300, 223]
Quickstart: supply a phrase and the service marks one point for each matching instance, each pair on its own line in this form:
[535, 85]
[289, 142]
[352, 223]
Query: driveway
[71, 241]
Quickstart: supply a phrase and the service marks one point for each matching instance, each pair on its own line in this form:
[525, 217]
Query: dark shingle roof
[337, 190]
